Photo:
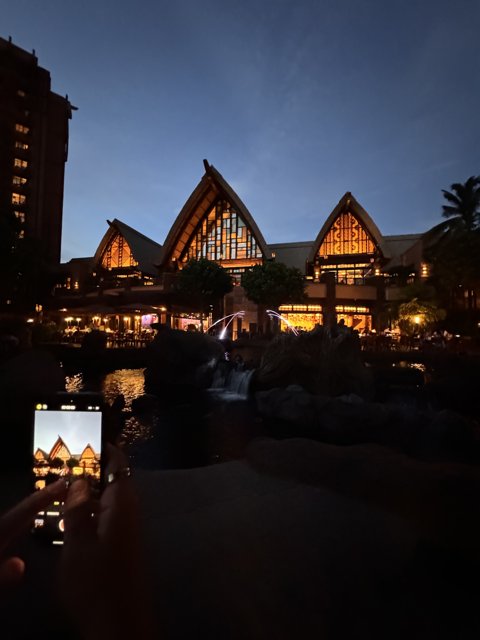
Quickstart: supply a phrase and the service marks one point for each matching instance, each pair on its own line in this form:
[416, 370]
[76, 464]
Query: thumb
[79, 509]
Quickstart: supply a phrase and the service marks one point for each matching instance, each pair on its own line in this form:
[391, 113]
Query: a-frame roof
[88, 452]
[347, 203]
[211, 187]
[57, 447]
[144, 250]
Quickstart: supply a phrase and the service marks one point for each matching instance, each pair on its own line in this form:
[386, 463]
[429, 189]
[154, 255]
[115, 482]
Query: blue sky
[76, 428]
[294, 102]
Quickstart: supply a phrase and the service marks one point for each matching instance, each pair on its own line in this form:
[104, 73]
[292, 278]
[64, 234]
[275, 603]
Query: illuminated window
[222, 235]
[21, 145]
[18, 198]
[349, 273]
[20, 216]
[21, 128]
[118, 255]
[346, 237]
[424, 270]
[18, 162]
[21, 93]
[21, 234]
[18, 180]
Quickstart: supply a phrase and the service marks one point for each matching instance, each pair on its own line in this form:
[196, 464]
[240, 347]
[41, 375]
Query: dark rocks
[293, 412]
[322, 361]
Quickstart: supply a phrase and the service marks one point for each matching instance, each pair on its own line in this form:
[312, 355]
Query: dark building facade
[33, 148]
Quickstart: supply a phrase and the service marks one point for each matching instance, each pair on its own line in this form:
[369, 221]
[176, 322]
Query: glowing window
[21, 145]
[18, 180]
[20, 216]
[18, 162]
[349, 273]
[18, 198]
[346, 236]
[222, 235]
[21, 128]
[118, 254]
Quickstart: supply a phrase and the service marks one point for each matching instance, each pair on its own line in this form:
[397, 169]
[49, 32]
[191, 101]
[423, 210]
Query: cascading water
[231, 383]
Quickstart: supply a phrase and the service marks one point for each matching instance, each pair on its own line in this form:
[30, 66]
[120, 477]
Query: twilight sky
[77, 429]
[293, 101]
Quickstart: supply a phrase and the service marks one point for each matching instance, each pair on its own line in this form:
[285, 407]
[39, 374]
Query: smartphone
[67, 442]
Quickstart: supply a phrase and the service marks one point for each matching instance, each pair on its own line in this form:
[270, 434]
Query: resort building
[351, 269]
[33, 148]
[59, 461]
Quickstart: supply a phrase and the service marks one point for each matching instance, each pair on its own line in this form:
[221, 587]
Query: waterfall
[233, 383]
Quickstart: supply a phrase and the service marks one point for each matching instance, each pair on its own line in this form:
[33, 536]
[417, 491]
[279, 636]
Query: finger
[20, 517]
[79, 510]
[118, 502]
[11, 571]
[116, 459]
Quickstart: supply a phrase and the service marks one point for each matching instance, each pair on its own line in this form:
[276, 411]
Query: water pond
[128, 382]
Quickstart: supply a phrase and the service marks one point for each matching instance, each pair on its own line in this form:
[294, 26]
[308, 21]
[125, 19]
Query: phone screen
[67, 442]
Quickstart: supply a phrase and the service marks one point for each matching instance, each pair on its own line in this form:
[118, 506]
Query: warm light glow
[118, 254]
[274, 314]
[21, 128]
[346, 236]
[18, 198]
[222, 235]
[417, 319]
[340, 308]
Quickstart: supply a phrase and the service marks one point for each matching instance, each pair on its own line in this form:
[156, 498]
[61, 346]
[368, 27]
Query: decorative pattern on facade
[346, 236]
[117, 254]
[222, 235]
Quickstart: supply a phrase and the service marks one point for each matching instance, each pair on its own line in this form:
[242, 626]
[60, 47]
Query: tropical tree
[204, 283]
[272, 284]
[416, 315]
[463, 210]
[454, 245]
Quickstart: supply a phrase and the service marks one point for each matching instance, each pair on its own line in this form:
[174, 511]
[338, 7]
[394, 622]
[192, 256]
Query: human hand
[101, 568]
[17, 521]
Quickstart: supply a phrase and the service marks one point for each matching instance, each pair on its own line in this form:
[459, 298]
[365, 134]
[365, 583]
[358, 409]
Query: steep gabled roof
[144, 250]
[40, 454]
[88, 452]
[347, 202]
[57, 448]
[211, 187]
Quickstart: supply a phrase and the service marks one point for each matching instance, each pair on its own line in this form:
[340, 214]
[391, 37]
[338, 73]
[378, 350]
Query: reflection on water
[403, 364]
[128, 382]
[74, 384]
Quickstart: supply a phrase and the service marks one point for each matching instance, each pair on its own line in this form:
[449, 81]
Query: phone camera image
[67, 442]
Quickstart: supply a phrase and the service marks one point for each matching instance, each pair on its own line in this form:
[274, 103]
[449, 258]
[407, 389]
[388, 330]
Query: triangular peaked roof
[40, 454]
[88, 452]
[347, 202]
[57, 448]
[144, 250]
[206, 193]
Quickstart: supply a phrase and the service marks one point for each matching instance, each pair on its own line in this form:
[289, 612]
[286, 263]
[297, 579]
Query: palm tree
[464, 208]
[453, 246]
